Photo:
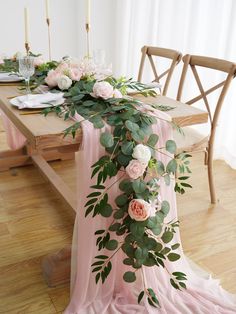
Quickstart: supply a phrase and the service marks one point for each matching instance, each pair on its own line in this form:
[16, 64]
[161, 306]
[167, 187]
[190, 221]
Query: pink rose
[117, 94]
[135, 169]
[63, 67]
[75, 74]
[139, 210]
[52, 78]
[1, 61]
[103, 90]
[38, 61]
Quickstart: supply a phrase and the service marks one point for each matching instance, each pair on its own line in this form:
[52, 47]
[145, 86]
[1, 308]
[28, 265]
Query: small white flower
[142, 153]
[64, 82]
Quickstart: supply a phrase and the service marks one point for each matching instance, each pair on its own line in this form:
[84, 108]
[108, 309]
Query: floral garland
[139, 216]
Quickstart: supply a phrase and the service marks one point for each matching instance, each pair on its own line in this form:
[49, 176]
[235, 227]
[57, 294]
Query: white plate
[15, 102]
[7, 77]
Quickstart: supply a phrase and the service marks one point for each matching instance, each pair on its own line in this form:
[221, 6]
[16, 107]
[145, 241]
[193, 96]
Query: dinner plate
[15, 102]
[8, 77]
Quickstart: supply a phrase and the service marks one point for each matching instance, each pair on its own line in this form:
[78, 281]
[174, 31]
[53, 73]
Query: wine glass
[26, 69]
[99, 57]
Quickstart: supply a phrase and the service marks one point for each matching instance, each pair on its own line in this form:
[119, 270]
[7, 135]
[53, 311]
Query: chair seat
[190, 141]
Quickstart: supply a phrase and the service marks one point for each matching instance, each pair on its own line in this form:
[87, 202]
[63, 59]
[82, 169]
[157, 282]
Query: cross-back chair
[193, 141]
[150, 52]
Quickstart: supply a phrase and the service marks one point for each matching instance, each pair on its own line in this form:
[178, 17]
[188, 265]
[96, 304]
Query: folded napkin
[9, 77]
[38, 100]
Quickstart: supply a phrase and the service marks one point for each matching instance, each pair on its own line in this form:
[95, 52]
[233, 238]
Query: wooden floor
[35, 222]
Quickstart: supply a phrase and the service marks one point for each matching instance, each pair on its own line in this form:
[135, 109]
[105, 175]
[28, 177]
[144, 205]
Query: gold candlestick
[87, 27]
[27, 48]
[49, 40]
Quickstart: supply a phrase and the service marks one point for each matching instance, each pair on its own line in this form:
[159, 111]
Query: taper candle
[26, 25]
[88, 11]
[47, 8]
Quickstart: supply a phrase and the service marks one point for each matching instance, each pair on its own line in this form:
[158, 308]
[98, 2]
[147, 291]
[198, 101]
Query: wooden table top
[45, 132]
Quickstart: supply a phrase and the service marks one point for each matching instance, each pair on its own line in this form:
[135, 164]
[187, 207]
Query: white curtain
[203, 27]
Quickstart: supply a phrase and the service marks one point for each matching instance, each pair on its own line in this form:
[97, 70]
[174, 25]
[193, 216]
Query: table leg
[56, 267]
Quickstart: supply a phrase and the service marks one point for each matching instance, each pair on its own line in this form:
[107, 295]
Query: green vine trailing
[139, 225]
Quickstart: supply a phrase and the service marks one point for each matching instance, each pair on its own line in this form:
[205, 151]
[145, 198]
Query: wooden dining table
[45, 142]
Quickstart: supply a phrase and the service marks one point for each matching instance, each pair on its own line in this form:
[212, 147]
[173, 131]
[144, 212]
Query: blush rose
[135, 169]
[52, 78]
[139, 209]
[103, 90]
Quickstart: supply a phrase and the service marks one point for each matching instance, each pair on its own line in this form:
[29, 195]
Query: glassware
[26, 69]
[99, 57]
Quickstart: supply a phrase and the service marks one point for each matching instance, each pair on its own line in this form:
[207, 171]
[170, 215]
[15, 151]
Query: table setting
[126, 254]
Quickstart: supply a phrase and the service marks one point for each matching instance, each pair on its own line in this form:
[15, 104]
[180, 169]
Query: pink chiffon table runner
[15, 139]
[202, 296]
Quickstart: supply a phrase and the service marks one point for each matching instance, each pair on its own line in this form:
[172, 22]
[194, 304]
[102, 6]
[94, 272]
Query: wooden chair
[193, 141]
[173, 55]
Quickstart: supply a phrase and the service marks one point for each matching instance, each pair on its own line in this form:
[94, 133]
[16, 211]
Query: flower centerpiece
[138, 220]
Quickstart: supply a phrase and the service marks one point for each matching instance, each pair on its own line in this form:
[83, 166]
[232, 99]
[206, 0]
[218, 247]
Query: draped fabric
[203, 296]
[15, 139]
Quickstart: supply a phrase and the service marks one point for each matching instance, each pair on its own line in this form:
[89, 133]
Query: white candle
[47, 8]
[26, 25]
[88, 11]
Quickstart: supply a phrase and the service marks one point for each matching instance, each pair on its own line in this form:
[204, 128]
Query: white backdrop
[63, 24]
[122, 27]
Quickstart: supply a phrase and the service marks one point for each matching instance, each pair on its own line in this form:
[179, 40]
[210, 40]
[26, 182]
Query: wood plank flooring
[35, 222]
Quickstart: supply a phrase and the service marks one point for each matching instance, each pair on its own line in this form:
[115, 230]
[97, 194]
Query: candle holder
[49, 40]
[87, 27]
[27, 48]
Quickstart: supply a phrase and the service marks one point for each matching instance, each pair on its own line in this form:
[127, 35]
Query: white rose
[64, 82]
[142, 153]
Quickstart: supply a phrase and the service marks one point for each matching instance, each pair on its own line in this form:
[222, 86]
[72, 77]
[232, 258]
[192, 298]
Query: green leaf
[119, 214]
[128, 261]
[179, 273]
[165, 208]
[141, 253]
[115, 226]
[157, 230]
[131, 126]
[126, 186]
[183, 285]
[167, 179]
[160, 167]
[129, 276]
[106, 210]
[140, 296]
[112, 245]
[123, 159]
[175, 246]
[137, 230]
[171, 166]
[171, 146]
[174, 284]
[167, 236]
[101, 256]
[94, 194]
[127, 148]
[153, 139]
[173, 257]
[97, 277]
[106, 139]
[96, 269]
[121, 200]
[99, 231]
[139, 186]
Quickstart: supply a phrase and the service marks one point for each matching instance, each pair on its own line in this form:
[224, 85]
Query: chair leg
[210, 176]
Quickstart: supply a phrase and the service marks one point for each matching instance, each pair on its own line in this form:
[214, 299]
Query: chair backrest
[229, 68]
[173, 55]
